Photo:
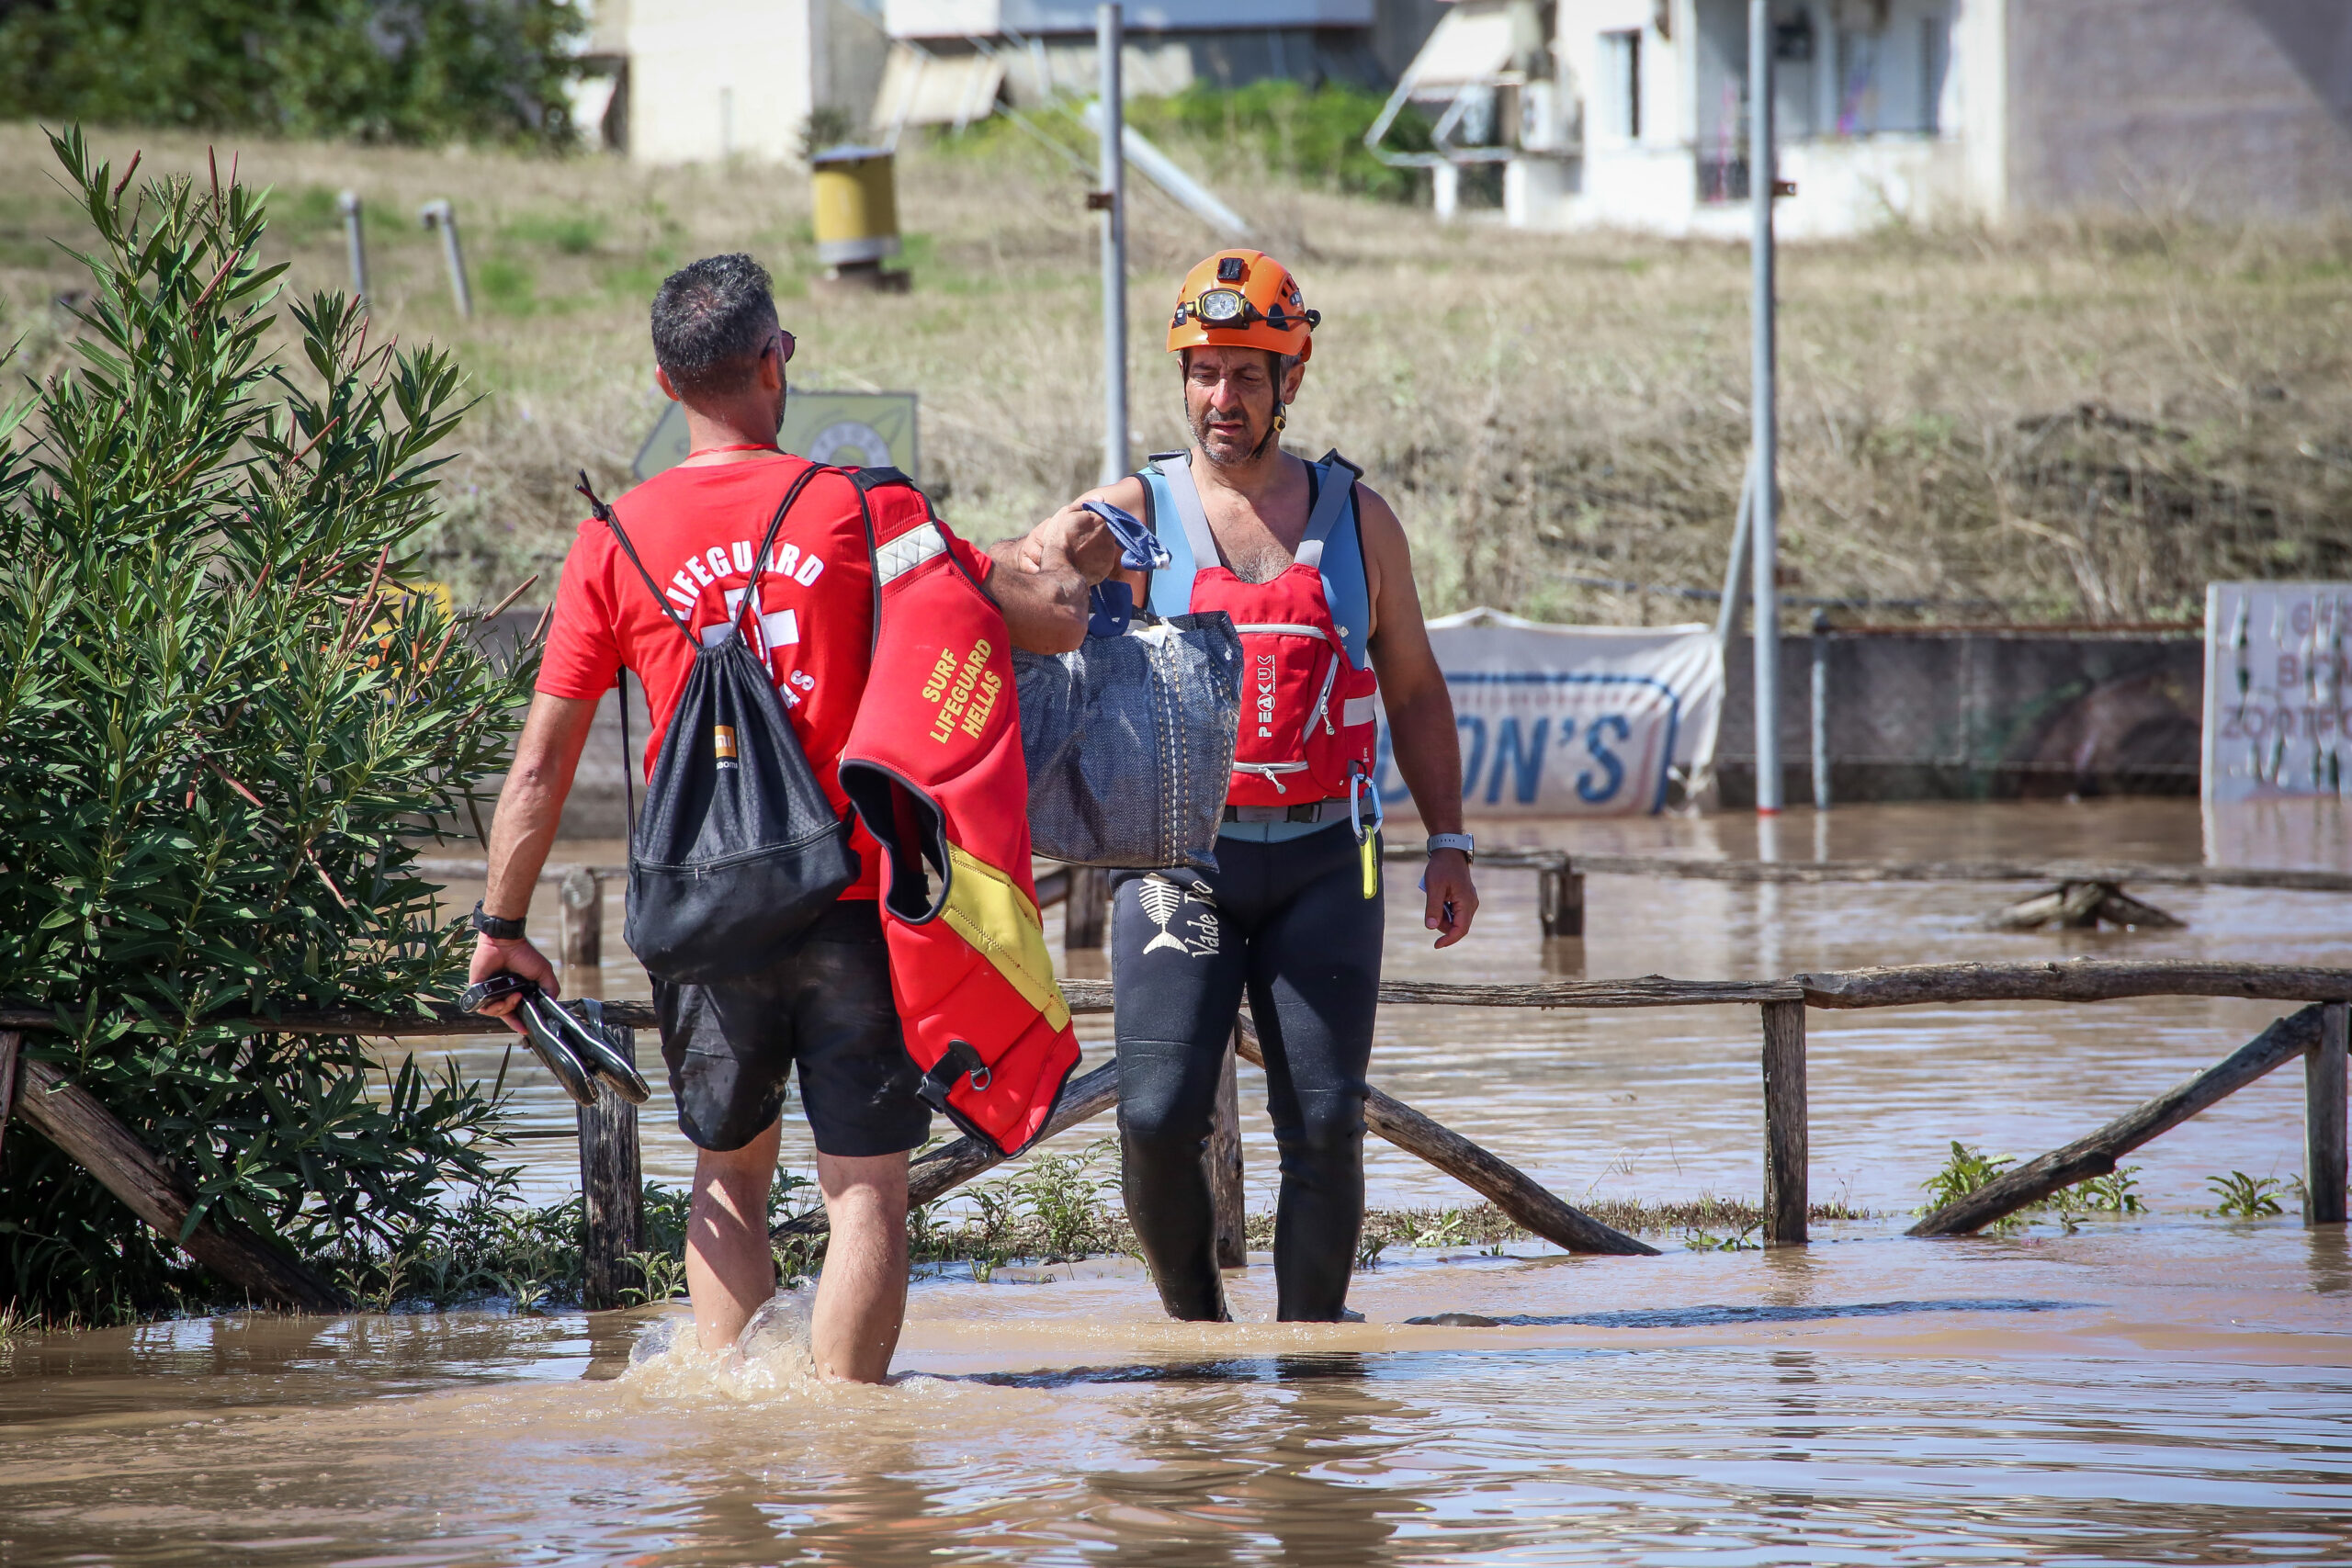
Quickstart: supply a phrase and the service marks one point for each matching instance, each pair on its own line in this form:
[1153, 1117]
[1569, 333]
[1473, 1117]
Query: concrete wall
[1976, 715]
[2221, 108]
[1914, 715]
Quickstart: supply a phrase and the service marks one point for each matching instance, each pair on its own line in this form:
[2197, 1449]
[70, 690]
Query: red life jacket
[933, 766]
[1309, 709]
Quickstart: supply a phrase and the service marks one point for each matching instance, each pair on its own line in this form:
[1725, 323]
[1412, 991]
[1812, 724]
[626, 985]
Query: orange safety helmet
[1245, 300]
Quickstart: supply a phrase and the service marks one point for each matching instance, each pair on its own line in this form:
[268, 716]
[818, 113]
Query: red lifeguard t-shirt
[696, 529]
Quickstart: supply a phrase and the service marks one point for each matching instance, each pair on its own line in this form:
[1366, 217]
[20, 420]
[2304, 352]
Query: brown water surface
[2173, 1390]
[2166, 1387]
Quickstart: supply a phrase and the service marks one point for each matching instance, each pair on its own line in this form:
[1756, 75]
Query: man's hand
[491, 957]
[1042, 594]
[1074, 534]
[1452, 900]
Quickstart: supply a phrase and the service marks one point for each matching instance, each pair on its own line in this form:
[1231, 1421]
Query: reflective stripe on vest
[1306, 710]
[933, 766]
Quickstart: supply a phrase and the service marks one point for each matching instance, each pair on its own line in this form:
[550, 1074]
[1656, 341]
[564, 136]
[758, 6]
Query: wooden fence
[610, 1169]
[1084, 892]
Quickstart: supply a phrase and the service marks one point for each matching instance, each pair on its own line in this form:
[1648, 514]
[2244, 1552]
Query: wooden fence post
[1224, 1158]
[2323, 1131]
[85, 1131]
[1786, 1175]
[1559, 900]
[612, 1186]
[1084, 914]
[581, 897]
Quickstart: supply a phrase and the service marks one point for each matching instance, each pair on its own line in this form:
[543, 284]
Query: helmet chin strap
[1274, 429]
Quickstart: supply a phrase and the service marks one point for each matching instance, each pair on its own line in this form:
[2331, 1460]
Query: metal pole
[356, 242]
[442, 216]
[1736, 570]
[1820, 710]
[1762, 170]
[1110, 42]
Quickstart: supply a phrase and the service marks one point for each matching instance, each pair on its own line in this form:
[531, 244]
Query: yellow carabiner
[1367, 839]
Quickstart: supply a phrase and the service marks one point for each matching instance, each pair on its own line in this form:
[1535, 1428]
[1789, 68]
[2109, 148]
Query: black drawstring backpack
[738, 850]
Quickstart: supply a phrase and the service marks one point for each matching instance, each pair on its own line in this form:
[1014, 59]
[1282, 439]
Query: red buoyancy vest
[933, 766]
[1310, 709]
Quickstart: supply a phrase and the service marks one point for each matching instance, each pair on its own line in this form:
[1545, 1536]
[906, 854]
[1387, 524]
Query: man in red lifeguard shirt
[827, 1007]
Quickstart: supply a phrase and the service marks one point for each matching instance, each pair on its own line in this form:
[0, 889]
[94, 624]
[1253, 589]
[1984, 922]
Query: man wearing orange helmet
[1314, 568]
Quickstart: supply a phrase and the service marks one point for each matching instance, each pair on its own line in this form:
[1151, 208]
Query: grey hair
[711, 318]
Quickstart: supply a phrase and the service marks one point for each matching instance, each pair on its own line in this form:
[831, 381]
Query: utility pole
[1110, 42]
[1764, 464]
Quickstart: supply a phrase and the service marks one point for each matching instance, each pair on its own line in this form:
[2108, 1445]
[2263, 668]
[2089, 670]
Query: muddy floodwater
[2162, 1387]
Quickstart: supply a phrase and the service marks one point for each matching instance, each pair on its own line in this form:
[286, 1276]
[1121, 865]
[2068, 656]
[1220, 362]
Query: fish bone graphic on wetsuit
[1162, 901]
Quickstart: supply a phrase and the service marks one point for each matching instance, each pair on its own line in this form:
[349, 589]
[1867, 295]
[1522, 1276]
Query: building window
[1621, 86]
[1935, 62]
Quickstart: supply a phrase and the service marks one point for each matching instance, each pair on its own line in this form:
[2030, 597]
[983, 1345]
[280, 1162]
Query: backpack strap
[749, 604]
[901, 531]
[767, 542]
[1168, 480]
[1334, 546]
[1331, 502]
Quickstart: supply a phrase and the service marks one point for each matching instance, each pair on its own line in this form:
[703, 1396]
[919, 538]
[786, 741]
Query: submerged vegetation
[229, 710]
[1055, 1206]
[2241, 1197]
[1966, 1170]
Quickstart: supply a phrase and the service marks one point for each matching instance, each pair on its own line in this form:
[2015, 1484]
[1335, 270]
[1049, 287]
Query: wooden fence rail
[1084, 891]
[608, 1133]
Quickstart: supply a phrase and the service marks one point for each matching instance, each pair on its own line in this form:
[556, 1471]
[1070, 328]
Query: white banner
[1572, 721]
[2278, 713]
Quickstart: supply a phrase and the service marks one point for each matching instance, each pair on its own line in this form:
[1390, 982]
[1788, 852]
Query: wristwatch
[498, 928]
[1462, 842]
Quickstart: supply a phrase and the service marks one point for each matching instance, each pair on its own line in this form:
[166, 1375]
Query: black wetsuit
[1288, 920]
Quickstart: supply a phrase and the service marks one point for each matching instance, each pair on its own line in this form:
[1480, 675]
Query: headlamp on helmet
[1223, 308]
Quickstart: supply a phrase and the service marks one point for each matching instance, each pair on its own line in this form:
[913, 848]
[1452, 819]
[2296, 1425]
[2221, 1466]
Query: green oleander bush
[228, 714]
[367, 70]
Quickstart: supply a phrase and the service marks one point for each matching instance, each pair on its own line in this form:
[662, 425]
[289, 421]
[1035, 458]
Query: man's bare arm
[1428, 751]
[530, 808]
[1045, 604]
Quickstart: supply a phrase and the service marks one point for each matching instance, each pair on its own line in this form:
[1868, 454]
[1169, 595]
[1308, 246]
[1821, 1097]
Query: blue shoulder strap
[1333, 546]
[1175, 499]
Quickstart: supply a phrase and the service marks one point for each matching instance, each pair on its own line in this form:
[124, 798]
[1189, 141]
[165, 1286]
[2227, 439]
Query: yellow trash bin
[857, 207]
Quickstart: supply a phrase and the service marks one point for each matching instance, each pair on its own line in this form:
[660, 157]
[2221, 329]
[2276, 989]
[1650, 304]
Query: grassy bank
[2089, 420]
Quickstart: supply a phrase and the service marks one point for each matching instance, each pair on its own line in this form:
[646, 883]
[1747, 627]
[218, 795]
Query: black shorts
[826, 1005]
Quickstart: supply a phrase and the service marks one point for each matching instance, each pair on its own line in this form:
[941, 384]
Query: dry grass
[2083, 421]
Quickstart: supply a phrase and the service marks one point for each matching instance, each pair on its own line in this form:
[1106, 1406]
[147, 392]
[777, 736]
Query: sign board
[2278, 712]
[1572, 721]
[865, 429]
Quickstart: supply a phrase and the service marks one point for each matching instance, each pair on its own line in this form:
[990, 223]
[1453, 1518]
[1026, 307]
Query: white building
[695, 81]
[1633, 113]
[682, 81]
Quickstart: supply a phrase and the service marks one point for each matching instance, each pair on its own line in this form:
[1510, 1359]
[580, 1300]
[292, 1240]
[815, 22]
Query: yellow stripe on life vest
[986, 910]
